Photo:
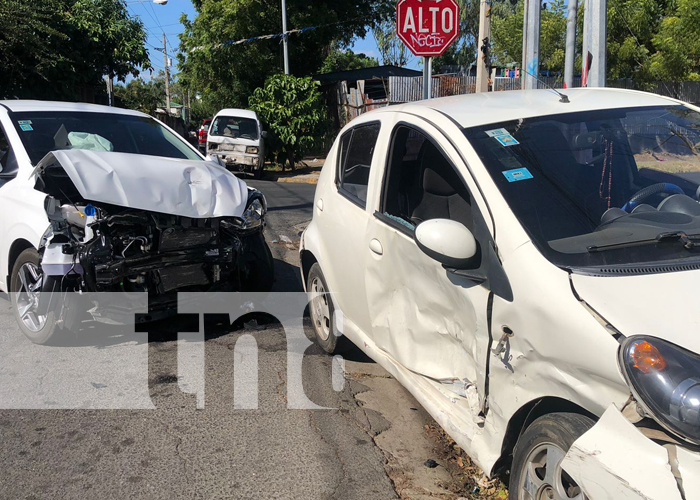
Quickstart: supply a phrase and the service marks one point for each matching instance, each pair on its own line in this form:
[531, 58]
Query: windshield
[45, 131]
[235, 128]
[604, 187]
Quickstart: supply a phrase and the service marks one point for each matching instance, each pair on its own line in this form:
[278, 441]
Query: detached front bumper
[614, 460]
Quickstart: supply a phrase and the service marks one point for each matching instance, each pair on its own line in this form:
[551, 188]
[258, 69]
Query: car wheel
[321, 311]
[258, 274]
[25, 285]
[536, 473]
[258, 174]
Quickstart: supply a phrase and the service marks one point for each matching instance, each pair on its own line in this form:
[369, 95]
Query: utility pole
[594, 42]
[285, 38]
[570, 44]
[482, 70]
[427, 77]
[531, 44]
[167, 77]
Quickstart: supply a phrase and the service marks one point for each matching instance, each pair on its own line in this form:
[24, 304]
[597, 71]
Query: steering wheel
[649, 191]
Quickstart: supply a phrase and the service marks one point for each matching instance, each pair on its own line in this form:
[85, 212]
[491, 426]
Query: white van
[236, 136]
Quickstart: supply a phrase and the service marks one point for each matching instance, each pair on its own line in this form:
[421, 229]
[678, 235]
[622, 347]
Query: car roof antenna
[564, 97]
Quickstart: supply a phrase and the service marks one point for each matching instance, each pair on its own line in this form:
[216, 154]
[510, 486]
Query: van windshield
[603, 187]
[234, 127]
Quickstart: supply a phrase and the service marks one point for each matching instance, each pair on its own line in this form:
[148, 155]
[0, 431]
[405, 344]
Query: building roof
[473, 110]
[27, 105]
[375, 73]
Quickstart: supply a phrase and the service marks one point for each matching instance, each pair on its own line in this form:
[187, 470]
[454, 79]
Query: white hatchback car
[528, 268]
[98, 199]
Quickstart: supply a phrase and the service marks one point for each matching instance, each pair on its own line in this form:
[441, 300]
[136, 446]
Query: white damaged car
[528, 266]
[98, 199]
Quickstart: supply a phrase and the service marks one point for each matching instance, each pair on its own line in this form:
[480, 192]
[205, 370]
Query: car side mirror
[446, 241]
[264, 134]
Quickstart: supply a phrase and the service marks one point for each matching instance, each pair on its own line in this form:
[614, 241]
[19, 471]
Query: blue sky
[159, 19]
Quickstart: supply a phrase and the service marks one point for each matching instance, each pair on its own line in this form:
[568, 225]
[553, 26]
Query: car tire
[258, 174]
[321, 313]
[26, 273]
[540, 449]
[259, 272]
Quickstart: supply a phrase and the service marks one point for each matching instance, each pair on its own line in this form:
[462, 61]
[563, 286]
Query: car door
[341, 214]
[429, 319]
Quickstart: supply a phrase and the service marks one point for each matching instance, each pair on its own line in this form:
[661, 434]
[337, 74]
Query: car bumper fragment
[615, 461]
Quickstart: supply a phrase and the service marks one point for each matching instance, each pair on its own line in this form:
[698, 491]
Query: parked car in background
[528, 267]
[236, 136]
[101, 199]
[202, 134]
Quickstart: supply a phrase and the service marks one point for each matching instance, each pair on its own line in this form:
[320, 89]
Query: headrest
[436, 171]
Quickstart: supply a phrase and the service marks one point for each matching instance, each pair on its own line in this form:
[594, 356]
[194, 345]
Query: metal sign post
[427, 77]
[427, 27]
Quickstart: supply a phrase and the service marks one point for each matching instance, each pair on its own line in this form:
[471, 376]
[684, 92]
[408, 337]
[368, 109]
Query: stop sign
[427, 27]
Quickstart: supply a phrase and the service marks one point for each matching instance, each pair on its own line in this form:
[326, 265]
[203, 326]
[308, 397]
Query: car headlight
[253, 215]
[251, 150]
[665, 379]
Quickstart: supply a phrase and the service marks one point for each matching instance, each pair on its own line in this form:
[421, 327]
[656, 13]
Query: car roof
[472, 110]
[237, 113]
[28, 105]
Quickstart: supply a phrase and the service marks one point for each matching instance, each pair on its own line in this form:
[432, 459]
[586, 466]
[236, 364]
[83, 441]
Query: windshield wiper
[679, 236]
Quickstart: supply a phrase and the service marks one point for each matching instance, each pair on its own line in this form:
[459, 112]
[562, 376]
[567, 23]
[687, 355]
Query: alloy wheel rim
[543, 477]
[27, 297]
[320, 309]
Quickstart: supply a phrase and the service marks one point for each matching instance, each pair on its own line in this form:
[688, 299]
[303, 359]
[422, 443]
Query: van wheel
[25, 286]
[321, 312]
[536, 473]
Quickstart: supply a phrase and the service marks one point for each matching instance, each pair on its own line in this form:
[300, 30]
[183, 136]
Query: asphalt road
[371, 444]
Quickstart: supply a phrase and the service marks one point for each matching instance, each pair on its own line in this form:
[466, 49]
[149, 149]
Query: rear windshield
[45, 131]
[235, 128]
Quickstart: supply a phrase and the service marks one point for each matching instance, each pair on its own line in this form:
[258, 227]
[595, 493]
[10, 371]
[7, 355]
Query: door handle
[376, 247]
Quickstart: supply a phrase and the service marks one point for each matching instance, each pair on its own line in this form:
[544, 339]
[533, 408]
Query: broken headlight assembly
[252, 150]
[665, 380]
[255, 211]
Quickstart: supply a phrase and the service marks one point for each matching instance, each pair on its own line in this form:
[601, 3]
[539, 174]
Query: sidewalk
[306, 172]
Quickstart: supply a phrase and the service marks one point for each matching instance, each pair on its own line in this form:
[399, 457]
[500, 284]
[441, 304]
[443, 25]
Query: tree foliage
[507, 33]
[227, 75]
[292, 108]
[391, 49]
[678, 44]
[345, 60]
[59, 48]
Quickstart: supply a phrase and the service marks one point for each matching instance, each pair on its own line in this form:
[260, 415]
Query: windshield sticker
[24, 122]
[25, 127]
[496, 132]
[506, 140]
[518, 174]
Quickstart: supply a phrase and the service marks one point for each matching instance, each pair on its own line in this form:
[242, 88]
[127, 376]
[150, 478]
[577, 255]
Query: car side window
[422, 184]
[354, 161]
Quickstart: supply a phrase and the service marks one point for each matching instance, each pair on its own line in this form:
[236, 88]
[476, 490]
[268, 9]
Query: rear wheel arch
[522, 419]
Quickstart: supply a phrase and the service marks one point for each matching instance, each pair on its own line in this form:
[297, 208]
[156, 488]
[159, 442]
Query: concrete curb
[298, 180]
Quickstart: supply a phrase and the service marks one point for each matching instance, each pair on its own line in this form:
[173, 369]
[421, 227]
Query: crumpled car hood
[661, 305]
[189, 188]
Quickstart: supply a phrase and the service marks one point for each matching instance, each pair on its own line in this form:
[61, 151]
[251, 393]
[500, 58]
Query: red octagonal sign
[427, 27]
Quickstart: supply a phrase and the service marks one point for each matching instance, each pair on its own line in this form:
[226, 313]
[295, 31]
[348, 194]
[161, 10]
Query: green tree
[392, 50]
[226, 75]
[677, 44]
[141, 95]
[345, 60]
[507, 33]
[292, 108]
[62, 48]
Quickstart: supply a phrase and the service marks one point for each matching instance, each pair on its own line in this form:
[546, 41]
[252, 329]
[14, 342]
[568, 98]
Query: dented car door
[429, 319]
